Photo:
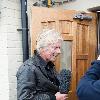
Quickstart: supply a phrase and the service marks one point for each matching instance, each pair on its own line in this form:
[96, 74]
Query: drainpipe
[24, 21]
[98, 32]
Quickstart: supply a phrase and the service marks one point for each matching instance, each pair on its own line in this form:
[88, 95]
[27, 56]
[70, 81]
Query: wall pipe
[98, 32]
[24, 21]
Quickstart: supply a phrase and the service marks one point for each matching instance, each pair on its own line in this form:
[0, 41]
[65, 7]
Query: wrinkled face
[52, 51]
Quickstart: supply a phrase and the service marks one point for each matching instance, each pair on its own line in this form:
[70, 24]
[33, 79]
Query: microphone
[64, 78]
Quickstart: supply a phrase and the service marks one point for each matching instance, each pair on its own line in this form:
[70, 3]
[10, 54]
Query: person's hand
[98, 57]
[60, 96]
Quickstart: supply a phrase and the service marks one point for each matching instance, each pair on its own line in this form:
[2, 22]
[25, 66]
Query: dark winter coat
[89, 86]
[36, 80]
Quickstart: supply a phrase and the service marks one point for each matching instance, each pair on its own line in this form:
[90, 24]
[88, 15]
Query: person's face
[52, 51]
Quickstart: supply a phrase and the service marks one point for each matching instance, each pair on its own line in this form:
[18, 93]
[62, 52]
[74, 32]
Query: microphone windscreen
[64, 78]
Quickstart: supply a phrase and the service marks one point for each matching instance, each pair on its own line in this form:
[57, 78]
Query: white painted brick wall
[14, 45]
[4, 82]
[4, 85]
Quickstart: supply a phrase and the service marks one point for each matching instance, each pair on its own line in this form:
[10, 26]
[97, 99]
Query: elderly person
[37, 77]
[89, 85]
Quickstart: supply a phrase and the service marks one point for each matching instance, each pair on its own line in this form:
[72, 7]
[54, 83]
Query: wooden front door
[79, 40]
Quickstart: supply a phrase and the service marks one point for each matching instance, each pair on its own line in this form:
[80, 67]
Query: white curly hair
[46, 37]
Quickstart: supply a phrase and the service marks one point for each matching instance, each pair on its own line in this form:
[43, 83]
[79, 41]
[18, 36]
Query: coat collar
[40, 62]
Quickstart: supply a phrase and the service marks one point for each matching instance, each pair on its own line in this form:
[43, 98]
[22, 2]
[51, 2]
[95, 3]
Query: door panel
[82, 50]
[79, 37]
